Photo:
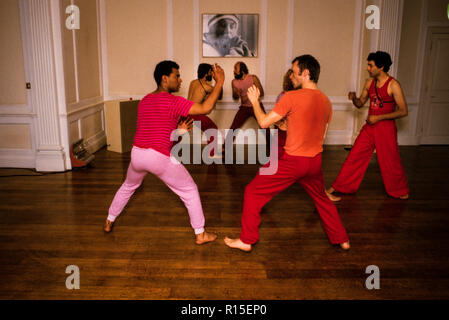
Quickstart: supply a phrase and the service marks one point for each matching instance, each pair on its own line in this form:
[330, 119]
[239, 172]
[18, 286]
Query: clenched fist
[218, 73]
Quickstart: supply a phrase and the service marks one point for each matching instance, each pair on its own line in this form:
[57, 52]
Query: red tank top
[382, 102]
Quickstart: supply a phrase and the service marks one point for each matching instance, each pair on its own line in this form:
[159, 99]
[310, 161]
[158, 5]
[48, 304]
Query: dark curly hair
[381, 59]
[308, 62]
[164, 68]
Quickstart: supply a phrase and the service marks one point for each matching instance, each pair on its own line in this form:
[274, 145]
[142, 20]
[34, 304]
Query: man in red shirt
[387, 103]
[308, 113]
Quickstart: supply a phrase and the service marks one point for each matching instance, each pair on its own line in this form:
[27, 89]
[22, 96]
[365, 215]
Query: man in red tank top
[387, 103]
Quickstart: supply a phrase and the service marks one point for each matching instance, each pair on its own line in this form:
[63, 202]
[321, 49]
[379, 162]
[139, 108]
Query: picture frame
[230, 35]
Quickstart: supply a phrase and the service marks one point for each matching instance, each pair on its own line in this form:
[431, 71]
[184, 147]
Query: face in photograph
[225, 28]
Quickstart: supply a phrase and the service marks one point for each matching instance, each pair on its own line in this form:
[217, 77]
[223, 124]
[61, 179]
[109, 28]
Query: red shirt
[157, 117]
[308, 113]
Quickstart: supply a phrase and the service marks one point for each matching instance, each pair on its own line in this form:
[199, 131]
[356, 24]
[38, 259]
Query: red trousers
[206, 123]
[381, 136]
[282, 139]
[307, 172]
[240, 118]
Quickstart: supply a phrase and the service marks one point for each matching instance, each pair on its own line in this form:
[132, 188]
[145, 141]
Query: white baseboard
[12, 158]
[50, 161]
[338, 139]
[434, 140]
[408, 141]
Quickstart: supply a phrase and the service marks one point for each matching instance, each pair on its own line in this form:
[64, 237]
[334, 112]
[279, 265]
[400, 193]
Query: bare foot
[237, 244]
[108, 226]
[405, 197]
[205, 237]
[332, 197]
[345, 245]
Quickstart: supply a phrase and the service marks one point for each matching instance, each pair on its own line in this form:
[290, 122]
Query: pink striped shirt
[157, 117]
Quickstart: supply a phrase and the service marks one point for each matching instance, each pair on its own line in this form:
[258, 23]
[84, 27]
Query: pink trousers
[171, 172]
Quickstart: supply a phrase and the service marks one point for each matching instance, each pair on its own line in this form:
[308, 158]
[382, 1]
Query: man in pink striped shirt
[157, 118]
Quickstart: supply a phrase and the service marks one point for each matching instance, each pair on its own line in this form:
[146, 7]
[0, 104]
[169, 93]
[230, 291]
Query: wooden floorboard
[48, 222]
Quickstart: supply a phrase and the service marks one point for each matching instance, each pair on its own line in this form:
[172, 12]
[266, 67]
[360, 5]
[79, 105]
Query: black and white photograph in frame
[230, 35]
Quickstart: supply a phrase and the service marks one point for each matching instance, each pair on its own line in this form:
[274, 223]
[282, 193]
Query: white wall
[114, 53]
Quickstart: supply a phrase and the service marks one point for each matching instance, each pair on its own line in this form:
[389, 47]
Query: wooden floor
[52, 221]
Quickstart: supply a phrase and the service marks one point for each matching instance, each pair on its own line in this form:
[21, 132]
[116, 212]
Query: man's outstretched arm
[360, 102]
[207, 106]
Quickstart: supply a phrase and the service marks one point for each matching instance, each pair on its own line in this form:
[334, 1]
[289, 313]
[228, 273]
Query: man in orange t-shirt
[308, 114]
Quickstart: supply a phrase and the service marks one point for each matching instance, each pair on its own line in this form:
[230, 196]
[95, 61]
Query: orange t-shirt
[308, 112]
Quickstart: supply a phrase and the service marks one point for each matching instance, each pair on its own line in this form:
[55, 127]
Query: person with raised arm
[308, 113]
[157, 118]
[387, 103]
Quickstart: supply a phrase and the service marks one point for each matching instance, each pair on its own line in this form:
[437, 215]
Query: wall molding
[80, 109]
[98, 140]
[263, 42]
[359, 38]
[336, 137]
[170, 31]
[196, 36]
[17, 158]
[419, 85]
[86, 111]
[419, 70]
[289, 35]
[27, 108]
[375, 34]
[426, 111]
[21, 114]
[357, 50]
[44, 40]
[75, 61]
[390, 33]
[27, 56]
[15, 115]
[103, 47]
[84, 104]
[22, 154]
[15, 109]
[59, 79]
[357, 44]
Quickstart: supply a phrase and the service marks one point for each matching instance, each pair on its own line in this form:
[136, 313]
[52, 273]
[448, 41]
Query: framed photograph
[230, 35]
